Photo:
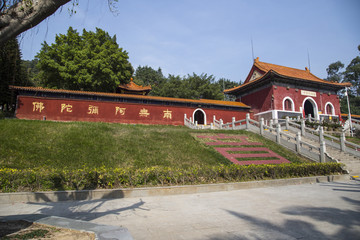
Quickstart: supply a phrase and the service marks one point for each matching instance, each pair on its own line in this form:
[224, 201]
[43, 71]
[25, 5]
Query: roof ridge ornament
[306, 69]
[256, 60]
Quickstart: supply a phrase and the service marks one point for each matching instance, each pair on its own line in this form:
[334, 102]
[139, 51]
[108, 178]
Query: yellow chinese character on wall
[38, 106]
[119, 110]
[93, 109]
[66, 107]
[167, 114]
[144, 113]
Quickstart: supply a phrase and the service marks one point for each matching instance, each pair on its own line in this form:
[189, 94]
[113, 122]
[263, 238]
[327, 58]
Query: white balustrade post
[287, 122]
[321, 134]
[247, 120]
[214, 119]
[185, 119]
[271, 123]
[262, 126]
[298, 140]
[302, 127]
[342, 142]
[233, 122]
[211, 126]
[221, 124]
[322, 151]
[309, 116]
[278, 130]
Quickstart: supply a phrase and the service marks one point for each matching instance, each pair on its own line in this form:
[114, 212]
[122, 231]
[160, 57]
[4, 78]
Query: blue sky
[214, 37]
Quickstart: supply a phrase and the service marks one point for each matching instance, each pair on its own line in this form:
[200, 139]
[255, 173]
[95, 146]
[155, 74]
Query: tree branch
[23, 16]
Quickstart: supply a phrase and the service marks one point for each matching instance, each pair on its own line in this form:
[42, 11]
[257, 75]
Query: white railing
[319, 135]
[194, 125]
[294, 143]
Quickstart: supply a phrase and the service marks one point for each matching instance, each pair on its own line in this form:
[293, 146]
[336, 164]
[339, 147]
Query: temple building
[274, 92]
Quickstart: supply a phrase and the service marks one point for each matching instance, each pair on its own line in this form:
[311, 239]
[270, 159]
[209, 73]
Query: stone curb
[102, 232]
[50, 196]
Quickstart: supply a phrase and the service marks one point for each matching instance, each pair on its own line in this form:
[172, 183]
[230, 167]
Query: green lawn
[59, 145]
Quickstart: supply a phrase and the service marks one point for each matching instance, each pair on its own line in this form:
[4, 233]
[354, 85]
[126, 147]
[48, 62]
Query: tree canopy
[11, 73]
[92, 61]
[352, 75]
[191, 86]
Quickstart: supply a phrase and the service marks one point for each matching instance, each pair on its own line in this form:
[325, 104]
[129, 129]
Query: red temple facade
[67, 105]
[274, 92]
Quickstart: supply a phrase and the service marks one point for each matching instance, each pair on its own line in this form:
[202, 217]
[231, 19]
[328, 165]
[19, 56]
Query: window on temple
[329, 109]
[287, 105]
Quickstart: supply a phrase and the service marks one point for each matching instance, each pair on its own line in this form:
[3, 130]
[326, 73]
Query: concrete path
[308, 211]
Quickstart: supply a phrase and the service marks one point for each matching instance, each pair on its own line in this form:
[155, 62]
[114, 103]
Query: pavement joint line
[78, 195]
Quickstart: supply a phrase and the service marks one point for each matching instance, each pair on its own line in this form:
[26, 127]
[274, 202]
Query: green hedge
[12, 180]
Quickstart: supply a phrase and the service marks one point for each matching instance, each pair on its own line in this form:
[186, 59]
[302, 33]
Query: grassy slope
[27, 144]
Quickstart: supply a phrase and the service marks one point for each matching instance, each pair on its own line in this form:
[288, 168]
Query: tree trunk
[25, 15]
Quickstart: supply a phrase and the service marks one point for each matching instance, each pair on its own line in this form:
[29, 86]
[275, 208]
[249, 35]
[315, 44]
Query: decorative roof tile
[131, 86]
[267, 68]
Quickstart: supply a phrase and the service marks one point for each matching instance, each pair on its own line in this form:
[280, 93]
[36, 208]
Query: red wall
[259, 101]
[80, 110]
[321, 99]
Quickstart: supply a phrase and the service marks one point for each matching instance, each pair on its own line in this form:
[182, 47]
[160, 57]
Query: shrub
[12, 180]
[357, 133]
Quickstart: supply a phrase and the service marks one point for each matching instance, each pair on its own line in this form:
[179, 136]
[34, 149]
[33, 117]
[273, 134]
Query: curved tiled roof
[131, 86]
[286, 72]
[200, 101]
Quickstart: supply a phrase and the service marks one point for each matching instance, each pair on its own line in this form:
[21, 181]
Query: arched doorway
[310, 107]
[199, 116]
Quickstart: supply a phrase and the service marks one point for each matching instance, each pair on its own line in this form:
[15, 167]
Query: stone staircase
[351, 162]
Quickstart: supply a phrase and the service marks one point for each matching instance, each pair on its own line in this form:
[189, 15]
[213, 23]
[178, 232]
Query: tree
[31, 70]
[354, 103]
[333, 72]
[226, 84]
[148, 76]
[352, 75]
[11, 73]
[191, 86]
[17, 16]
[205, 87]
[22, 15]
[92, 61]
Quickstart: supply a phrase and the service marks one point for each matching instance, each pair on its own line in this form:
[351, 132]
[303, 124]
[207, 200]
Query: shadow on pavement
[76, 210]
[347, 222]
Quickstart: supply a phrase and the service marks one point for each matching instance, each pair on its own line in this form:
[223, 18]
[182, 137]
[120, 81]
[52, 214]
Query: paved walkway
[308, 211]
